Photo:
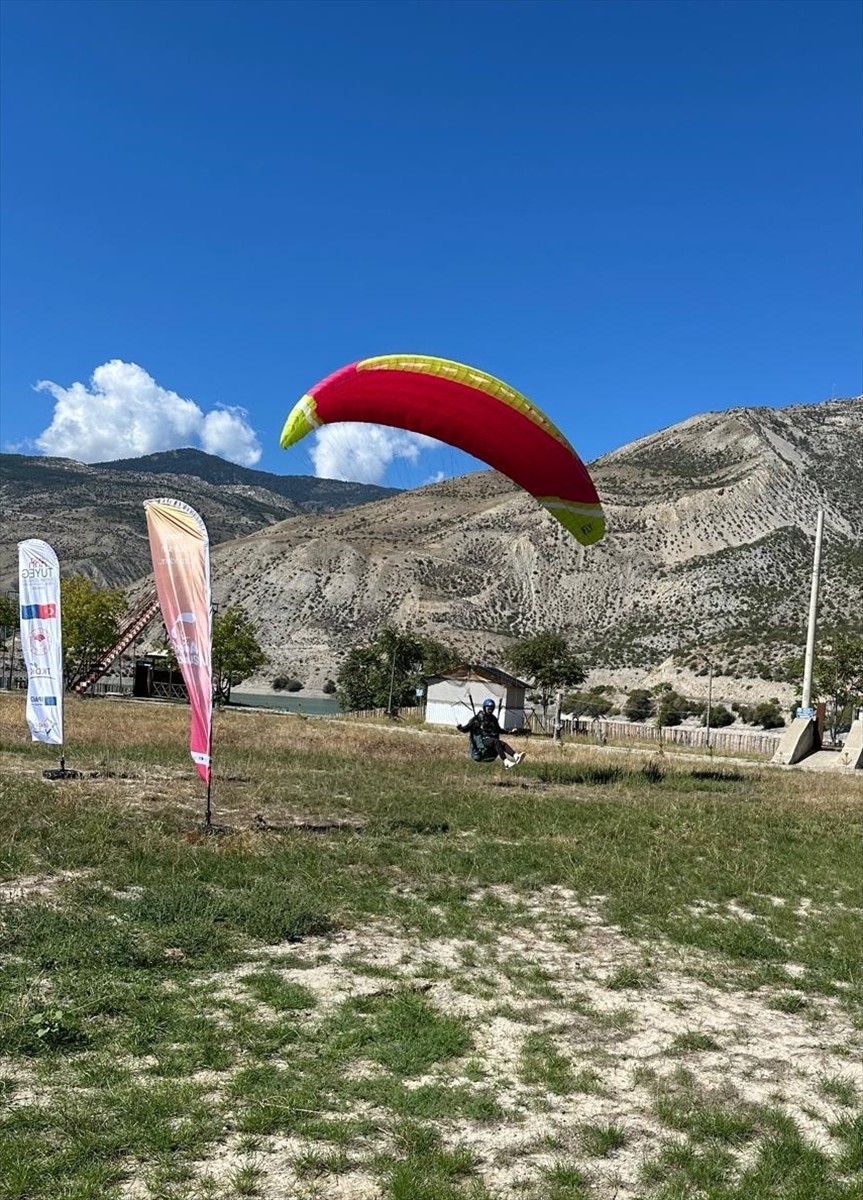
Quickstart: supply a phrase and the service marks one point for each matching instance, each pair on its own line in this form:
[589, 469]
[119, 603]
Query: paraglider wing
[468, 409]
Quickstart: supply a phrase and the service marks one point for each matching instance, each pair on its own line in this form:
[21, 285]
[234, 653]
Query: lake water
[312, 706]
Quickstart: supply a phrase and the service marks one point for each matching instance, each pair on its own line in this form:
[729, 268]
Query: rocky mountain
[307, 492]
[709, 548]
[93, 515]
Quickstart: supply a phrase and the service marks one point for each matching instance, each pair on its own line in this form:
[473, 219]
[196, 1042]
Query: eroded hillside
[710, 532]
[709, 545]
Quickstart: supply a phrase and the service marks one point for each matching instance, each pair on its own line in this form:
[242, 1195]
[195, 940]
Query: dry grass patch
[589, 982]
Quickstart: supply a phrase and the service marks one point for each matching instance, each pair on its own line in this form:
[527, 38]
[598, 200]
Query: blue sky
[633, 212]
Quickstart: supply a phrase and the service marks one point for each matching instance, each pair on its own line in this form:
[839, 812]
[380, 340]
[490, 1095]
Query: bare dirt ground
[622, 1024]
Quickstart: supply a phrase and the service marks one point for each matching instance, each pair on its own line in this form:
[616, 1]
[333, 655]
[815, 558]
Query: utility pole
[803, 737]
[12, 659]
[709, 663]
[558, 726]
[813, 609]
[392, 683]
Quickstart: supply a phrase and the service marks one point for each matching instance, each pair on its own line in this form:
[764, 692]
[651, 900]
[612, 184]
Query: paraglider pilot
[486, 743]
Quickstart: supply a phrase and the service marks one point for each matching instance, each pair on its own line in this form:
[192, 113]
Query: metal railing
[136, 623]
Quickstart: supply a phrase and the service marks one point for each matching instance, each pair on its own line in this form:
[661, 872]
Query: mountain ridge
[710, 531]
[61, 500]
[709, 545]
[308, 491]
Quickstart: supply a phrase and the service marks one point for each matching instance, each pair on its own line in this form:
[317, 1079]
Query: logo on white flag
[41, 644]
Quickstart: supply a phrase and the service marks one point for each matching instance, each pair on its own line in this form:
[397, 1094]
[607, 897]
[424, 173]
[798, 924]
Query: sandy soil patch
[550, 974]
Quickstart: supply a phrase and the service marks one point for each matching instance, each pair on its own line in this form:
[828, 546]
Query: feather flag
[41, 639]
[180, 548]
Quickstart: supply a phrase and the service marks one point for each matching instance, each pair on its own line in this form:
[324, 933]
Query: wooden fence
[728, 741]
[403, 711]
[725, 741]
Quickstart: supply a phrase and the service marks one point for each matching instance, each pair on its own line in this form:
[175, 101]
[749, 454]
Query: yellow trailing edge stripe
[469, 376]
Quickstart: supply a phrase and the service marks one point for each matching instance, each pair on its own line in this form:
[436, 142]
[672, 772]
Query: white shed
[451, 699]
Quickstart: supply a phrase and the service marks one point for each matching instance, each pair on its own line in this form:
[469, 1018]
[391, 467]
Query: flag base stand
[61, 772]
[210, 828]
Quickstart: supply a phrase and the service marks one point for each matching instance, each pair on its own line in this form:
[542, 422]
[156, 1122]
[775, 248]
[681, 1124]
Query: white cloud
[224, 432]
[124, 413]
[361, 453]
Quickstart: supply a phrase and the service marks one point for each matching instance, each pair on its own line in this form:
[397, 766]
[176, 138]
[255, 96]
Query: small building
[451, 699]
[156, 679]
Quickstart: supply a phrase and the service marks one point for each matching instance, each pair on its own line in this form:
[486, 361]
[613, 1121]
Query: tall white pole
[813, 608]
[558, 727]
[392, 684]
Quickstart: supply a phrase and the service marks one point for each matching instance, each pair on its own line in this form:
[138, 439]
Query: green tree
[838, 677]
[672, 707]
[768, 715]
[548, 663]
[10, 618]
[236, 651]
[638, 705]
[719, 716]
[10, 622]
[90, 622]
[386, 673]
[593, 703]
[837, 674]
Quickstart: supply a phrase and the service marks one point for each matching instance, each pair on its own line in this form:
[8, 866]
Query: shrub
[639, 705]
[768, 715]
[329, 688]
[286, 683]
[594, 703]
[719, 716]
[672, 708]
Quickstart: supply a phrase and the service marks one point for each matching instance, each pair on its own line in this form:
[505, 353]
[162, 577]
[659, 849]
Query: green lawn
[595, 976]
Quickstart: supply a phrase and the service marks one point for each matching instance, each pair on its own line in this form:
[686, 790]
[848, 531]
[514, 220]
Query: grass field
[391, 973]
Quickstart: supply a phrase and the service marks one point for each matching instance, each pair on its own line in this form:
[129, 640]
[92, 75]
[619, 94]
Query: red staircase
[138, 620]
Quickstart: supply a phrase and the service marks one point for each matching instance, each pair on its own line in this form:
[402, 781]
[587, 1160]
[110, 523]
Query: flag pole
[809, 661]
[62, 739]
[209, 813]
[209, 821]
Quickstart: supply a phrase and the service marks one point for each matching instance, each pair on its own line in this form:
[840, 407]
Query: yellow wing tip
[594, 533]
[586, 523]
[302, 419]
[587, 531]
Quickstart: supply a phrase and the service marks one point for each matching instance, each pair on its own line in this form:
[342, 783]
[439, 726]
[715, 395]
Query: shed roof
[481, 675]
